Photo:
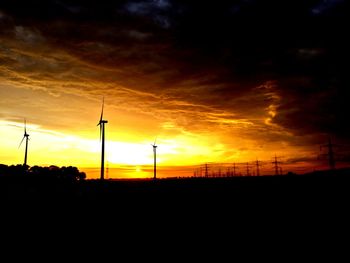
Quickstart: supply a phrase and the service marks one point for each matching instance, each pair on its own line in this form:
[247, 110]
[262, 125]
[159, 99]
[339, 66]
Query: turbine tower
[102, 123]
[26, 137]
[155, 159]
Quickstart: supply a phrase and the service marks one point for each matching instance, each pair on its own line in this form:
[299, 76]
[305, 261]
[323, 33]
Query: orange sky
[62, 111]
[204, 87]
[63, 131]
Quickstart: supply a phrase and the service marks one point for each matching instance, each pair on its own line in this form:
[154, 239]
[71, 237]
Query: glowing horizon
[174, 159]
[208, 89]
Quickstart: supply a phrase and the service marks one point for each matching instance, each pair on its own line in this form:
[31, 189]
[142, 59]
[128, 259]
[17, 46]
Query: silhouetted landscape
[230, 110]
[39, 183]
[67, 183]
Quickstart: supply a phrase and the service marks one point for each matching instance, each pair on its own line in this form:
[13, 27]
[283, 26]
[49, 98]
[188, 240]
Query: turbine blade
[103, 104]
[21, 142]
[155, 140]
[25, 126]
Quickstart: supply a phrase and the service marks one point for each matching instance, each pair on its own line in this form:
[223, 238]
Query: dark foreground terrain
[246, 210]
[319, 188]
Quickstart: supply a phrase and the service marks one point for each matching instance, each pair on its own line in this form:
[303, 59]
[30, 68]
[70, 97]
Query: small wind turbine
[155, 159]
[102, 123]
[26, 137]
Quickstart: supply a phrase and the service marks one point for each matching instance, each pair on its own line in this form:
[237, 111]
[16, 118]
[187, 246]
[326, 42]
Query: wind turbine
[155, 159]
[102, 123]
[26, 137]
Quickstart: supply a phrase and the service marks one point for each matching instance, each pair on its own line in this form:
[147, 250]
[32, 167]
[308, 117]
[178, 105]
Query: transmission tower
[234, 169]
[206, 170]
[248, 169]
[330, 146]
[258, 165]
[277, 166]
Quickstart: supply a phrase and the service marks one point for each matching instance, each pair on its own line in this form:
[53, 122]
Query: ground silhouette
[19, 182]
[67, 183]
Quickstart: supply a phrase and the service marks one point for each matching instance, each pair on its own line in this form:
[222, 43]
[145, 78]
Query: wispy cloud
[179, 69]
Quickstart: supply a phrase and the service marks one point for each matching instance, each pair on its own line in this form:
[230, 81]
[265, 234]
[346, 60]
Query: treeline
[54, 172]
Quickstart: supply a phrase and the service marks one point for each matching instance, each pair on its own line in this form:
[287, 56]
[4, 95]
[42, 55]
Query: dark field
[319, 187]
[292, 205]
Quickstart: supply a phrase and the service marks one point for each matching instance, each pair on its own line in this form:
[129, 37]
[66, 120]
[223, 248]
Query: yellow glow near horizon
[202, 109]
[48, 147]
[124, 159]
[140, 173]
[130, 148]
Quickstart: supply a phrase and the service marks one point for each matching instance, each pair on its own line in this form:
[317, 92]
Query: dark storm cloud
[325, 6]
[149, 7]
[211, 57]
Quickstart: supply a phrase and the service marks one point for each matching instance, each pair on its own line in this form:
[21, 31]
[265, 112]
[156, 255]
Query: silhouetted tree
[54, 172]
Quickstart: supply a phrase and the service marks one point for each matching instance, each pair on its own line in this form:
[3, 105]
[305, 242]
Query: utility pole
[206, 170]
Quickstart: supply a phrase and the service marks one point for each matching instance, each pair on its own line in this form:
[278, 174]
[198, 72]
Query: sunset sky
[214, 81]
